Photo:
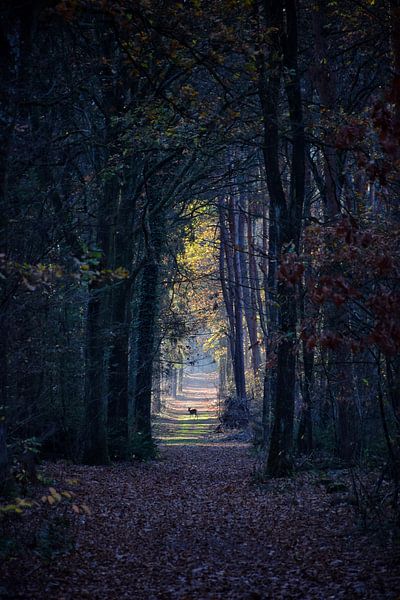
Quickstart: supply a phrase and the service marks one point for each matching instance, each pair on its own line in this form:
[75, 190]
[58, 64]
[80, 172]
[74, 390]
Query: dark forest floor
[196, 525]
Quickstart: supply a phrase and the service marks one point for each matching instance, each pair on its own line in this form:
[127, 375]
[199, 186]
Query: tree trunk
[286, 213]
[249, 300]
[231, 289]
[226, 278]
[325, 83]
[280, 453]
[179, 384]
[122, 244]
[238, 359]
[157, 385]
[95, 442]
[147, 312]
[118, 381]
[305, 433]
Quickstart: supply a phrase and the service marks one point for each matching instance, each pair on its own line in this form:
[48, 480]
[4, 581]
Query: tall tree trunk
[223, 383]
[174, 382]
[118, 378]
[238, 360]
[231, 290]
[249, 300]
[114, 225]
[95, 441]
[179, 384]
[147, 313]
[286, 213]
[120, 322]
[280, 452]
[271, 304]
[305, 432]
[157, 383]
[226, 276]
[324, 80]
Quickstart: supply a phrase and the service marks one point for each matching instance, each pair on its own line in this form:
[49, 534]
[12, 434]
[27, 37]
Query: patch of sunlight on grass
[191, 433]
[193, 430]
[181, 441]
[202, 415]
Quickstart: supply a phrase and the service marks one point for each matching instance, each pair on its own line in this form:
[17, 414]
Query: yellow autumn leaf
[22, 502]
[55, 494]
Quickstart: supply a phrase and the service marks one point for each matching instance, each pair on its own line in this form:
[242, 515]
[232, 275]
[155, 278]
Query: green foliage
[14, 509]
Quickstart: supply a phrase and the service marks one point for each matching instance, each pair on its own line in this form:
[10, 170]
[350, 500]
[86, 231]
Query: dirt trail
[177, 426]
[194, 525]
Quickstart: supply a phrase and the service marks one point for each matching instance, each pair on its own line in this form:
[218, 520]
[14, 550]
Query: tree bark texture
[286, 211]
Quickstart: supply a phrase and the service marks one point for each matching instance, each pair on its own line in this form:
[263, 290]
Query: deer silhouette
[193, 411]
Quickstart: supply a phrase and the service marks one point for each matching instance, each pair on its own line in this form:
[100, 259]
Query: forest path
[176, 426]
[194, 525]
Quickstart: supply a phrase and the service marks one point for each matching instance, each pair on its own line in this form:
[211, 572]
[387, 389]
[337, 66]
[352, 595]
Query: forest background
[223, 171]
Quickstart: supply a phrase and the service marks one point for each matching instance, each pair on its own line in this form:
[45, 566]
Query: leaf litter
[196, 525]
